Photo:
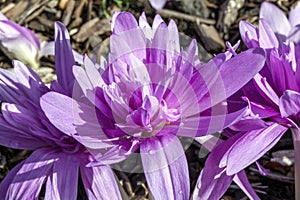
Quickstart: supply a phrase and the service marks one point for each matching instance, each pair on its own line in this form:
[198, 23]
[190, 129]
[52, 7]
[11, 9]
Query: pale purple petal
[294, 15]
[157, 4]
[213, 181]
[224, 84]
[249, 34]
[242, 181]
[5, 183]
[165, 167]
[62, 183]
[99, 182]
[264, 89]
[275, 18]
[289, 103]
[3, 17]
[267, 38]
[29, 179]
[250, 147]
[60, 111]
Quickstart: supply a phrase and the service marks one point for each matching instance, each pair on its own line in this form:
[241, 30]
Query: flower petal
[64, 58]
[157, 4]
[242, 181]
[62, 183]
[60, 109]
[224, 85]
[213, 181]
[165, 167]
[251, 146]
[267, 38]
[289, 103]
[249, 34]
[272, 14]
[99, 182]
[29, 179]
[294, 15]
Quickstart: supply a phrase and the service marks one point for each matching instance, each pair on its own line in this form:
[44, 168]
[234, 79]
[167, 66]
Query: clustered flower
[143, 100]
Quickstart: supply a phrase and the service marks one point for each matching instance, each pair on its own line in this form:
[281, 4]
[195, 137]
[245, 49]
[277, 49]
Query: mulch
[211, 22]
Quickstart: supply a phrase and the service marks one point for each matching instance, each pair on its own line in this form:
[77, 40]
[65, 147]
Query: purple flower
[149, 92]
[57, 157]
[19, 41]
[273, 95]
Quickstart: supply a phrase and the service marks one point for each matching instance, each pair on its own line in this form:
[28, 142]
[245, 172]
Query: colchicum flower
[57, 157]
[147, 94]
[19, 42]
[273, 94]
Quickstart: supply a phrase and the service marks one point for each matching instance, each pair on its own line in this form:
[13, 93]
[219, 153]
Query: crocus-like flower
[274, 95]
[157, 4]
[19, 42]
[57, 157]
[148, 93]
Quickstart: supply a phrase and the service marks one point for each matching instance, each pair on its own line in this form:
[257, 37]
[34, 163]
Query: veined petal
[7, 181]
[289, 103]
[242, 181]
[99, 182]
[267, 38]
[64, 58]
[165, 167]
[249, 34]
[250, 147]
[213, 181]
[225, 85]
[62, 183]
[28, 181]
[60, 110]
[272, 14]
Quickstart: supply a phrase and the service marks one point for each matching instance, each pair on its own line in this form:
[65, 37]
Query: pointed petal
[223, 84]
[289, 103]
[242, 181]
[267, 38]
[165, 167]
[99, 182]
[272, 14]
[29, 179]
[157, 4]
[64, 58]
[249, 34]
[5, 183]
[60, 109]
[251, 146]
[213, 181]
[294, 15]
[62, 183]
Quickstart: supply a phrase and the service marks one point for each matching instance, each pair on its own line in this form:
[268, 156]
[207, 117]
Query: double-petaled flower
[147, 94]
[57, 158]
[273, 95]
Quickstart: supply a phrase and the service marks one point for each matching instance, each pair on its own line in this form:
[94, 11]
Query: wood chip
[7, 8]
[210, 37]
[68, 12]
[192, 18]
[63, 4]
[92, 27]
[20, 7]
